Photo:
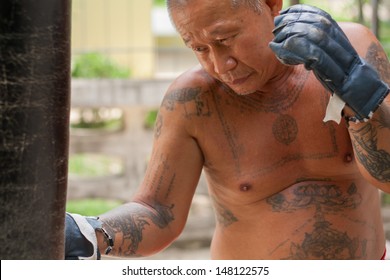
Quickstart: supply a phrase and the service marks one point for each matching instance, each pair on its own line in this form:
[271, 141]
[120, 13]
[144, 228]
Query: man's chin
[242, 91]
[246, 92]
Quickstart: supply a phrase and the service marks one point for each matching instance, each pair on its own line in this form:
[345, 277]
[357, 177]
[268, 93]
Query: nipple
[348, 158]
[245, 187]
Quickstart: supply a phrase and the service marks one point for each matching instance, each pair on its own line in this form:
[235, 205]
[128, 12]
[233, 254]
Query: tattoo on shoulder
[375, 160]
[191, 98]
[380, 62]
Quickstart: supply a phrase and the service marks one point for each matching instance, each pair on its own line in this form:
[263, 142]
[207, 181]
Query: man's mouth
[240, 81]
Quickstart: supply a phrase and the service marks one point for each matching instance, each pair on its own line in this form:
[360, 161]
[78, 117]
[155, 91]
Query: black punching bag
[34, 127]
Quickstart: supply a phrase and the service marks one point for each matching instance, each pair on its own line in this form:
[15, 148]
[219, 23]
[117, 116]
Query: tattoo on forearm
[383, 118]
[380, 62]
[133, 225]
[192, 100]
[325, 241]
[134, 217]
[376, 161]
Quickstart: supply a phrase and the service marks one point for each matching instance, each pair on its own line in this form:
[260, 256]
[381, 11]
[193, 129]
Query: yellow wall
[120, 29]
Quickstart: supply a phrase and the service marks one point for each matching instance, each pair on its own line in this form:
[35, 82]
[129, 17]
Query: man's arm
[158, 211]
[371, 140]
[307, 35]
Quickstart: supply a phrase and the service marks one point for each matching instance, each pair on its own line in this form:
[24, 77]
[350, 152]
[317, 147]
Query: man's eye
[199, 49]
[224, 41]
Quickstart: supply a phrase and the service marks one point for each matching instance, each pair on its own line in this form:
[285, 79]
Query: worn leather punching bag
[34, 125]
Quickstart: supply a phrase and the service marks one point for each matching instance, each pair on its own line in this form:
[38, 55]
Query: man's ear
[275, 6]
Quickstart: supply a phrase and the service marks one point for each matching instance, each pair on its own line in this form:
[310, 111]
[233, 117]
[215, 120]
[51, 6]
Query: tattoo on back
[325, 241]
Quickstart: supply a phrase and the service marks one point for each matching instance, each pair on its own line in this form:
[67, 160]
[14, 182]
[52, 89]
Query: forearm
[372, 146]
[138, 229]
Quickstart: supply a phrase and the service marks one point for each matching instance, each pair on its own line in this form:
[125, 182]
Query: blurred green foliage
[385, 36]
[159, 2]
[95, 65]
[386, 199]
[94, 165]
[110, 125]
[91, 207]
[150, 119]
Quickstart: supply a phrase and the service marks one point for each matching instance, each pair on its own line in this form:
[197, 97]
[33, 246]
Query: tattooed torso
[280, 179]
[284, 184]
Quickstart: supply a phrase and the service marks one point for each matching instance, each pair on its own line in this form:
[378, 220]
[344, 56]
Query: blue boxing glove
[80, 237]
[307, 35]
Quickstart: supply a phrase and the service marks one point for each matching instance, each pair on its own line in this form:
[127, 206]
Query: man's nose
[223, 62]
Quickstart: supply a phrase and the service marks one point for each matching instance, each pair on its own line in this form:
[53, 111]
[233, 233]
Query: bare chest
[269, 146]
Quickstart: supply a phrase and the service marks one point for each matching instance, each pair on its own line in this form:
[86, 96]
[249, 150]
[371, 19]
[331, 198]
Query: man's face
[230, 43]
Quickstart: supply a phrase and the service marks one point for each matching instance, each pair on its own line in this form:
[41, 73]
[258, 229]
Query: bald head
[255, 5]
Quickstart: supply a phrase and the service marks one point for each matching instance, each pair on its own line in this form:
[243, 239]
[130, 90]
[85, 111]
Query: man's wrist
[105, 241]
[351, 116]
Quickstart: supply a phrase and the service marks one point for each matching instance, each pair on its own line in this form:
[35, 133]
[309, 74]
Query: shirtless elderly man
[285, 184]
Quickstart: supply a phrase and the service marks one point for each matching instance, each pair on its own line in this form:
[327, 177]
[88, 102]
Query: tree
[361, 13]
[375, 17]
[294, 2]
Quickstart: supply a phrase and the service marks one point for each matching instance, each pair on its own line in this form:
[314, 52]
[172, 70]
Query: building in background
[133, 33]
[138, 35]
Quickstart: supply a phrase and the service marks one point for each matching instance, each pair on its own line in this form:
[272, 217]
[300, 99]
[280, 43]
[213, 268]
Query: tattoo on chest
[325, 241]
[381, 63]
[285, 129]
[224, 216]
[332, 151]
[328, 196]
[228, 131]
[375, 160]
[277, 102]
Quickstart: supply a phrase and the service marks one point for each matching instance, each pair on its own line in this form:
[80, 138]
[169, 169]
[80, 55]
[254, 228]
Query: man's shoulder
[193, 78]
[353, 28]
[359, 35]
